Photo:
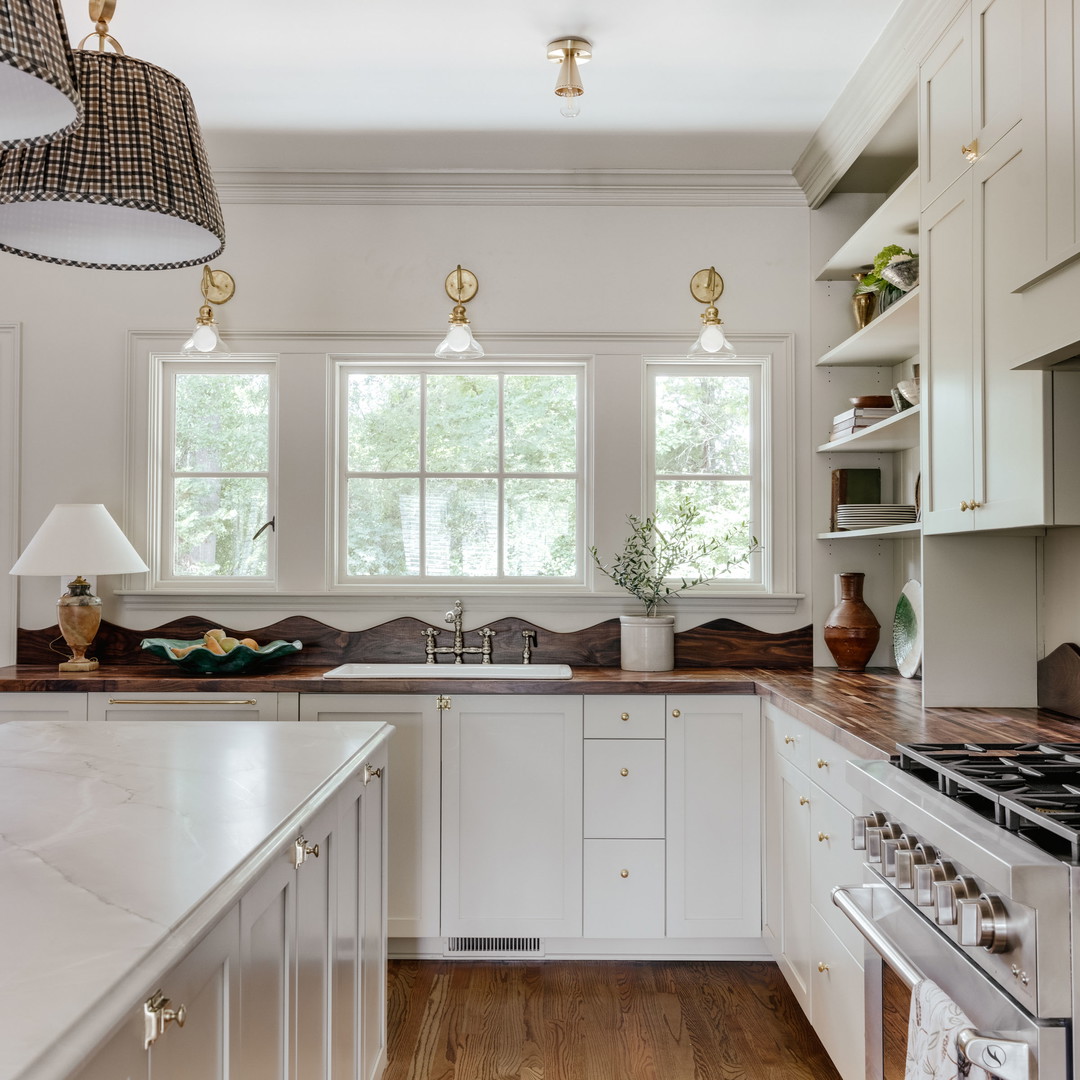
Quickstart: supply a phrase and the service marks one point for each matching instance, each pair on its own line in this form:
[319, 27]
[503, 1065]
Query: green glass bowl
[241, 658]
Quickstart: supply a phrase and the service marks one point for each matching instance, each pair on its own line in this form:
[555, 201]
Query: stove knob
[983, 922]
[890, 848]
[927, 876]
[947, 897]
[906, 862]
[860, 824]
[928, 850]
[874, 836]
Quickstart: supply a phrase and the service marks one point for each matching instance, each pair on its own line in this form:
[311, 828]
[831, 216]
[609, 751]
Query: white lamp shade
[78, 538]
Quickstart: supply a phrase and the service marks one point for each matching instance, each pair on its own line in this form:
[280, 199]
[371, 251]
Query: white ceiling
[428, 84]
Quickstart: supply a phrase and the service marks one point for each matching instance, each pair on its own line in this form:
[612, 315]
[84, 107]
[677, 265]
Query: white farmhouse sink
[450, 671]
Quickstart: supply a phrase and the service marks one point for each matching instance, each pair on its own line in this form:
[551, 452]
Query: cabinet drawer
[833, 861]
[624, 888]
[827, 768]
[624, 788]
[838, 1009]
[789, 738]
[624, 716]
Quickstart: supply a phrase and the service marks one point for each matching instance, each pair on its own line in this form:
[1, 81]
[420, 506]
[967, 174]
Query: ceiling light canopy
[37, 80]
[129, 189]
[459, 344]
[706, 287]
[568, 52]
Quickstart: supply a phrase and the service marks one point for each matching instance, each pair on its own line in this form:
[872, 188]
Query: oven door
[905, 948]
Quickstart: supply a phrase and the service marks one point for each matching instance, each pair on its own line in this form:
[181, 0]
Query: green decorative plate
[907, 635]
[241, 658]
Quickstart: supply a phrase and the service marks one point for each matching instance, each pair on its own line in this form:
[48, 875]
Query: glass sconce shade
[712, 343]
[37, 78]
[459, 343]
[205, 339]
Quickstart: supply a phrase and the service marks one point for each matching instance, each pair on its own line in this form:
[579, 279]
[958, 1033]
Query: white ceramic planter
[648, 642]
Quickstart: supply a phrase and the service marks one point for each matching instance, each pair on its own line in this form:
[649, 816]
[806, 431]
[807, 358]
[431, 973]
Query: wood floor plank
[597, 1020]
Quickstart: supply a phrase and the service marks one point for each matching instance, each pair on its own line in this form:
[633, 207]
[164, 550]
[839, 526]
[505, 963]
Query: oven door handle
[1008, 1059]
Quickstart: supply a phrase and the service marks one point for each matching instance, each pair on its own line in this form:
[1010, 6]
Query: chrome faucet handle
[530, 641]
[454, 617]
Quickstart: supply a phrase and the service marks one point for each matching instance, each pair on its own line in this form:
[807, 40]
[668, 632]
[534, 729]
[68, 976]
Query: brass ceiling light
[459, 344]
[568, 52]
[130, 188]
[217, 288]
[706, 287]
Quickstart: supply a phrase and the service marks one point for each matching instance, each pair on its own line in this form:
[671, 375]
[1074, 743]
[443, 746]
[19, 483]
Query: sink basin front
[450, 671]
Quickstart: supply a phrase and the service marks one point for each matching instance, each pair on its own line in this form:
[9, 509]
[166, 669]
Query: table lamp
[83, 537]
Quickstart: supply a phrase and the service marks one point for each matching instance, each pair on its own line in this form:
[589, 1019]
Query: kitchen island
[127, 846]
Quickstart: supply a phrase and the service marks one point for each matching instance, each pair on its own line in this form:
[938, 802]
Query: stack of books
[847, 423]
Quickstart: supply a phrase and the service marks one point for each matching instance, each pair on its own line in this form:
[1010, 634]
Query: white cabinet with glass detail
[808, 815]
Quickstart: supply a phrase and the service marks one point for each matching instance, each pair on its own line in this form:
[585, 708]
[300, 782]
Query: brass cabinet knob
[822, 763]
[822, 837]
[963, 505]
[822, 967]
[971, 150]
[676, 713]
[789, 739]
[624, 873]
[972, 505]
[803, 800]
[625, 716]
[624, 772]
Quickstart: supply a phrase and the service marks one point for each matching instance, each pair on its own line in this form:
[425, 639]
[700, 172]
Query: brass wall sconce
[217, 288]
[459, 343]
[706, 287]
[568, 52]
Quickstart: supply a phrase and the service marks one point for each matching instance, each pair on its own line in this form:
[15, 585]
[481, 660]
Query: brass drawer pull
[625, 716]
[803, 800]
[624, 772]
[822, 763]
[186, 701]
[624, 873]
[789, 739]
[823, 967]
[822, 837]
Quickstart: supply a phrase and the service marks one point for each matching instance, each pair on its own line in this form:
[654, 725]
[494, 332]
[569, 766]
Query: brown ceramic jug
[851, 631]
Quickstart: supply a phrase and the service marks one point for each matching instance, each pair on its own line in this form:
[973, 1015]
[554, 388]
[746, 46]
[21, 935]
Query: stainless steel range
[974, 852]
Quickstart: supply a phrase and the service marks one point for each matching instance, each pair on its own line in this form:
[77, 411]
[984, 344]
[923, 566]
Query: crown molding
[510, 188]
[883, 80]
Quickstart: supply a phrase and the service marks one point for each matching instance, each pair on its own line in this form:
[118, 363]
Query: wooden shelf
[886, 532]
[887, 340]
[895, 221]
[898, 432]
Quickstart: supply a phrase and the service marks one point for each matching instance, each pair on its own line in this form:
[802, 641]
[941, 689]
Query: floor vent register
[494, 946]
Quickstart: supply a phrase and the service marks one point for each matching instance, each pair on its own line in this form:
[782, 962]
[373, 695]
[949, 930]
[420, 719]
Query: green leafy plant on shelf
[658, 563]
[872, 281]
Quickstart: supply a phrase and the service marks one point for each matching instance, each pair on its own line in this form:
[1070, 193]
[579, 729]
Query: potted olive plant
[658, 563]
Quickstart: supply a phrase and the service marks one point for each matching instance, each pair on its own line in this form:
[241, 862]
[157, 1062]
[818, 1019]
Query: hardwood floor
[597, 1020]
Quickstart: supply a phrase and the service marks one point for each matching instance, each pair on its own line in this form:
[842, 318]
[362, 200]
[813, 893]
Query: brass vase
[863, 304]
[851, 631]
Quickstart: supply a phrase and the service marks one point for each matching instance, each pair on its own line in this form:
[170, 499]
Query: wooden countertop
[867, 713]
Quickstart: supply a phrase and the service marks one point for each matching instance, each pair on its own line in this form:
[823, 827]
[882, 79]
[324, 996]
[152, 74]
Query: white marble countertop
[121, 843]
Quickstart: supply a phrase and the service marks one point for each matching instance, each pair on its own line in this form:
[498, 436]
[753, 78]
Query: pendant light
[37, 80]
[131, 188]
[459, 344]
[706, 286]
[568, 52]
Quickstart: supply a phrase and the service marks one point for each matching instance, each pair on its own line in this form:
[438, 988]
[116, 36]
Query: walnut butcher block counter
[867, 714]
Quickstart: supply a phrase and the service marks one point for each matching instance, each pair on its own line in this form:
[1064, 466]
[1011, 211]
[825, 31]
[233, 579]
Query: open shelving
[884, 532]
[889, 339]
[897, 432]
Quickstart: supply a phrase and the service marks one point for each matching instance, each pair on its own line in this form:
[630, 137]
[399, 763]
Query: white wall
[580, 269]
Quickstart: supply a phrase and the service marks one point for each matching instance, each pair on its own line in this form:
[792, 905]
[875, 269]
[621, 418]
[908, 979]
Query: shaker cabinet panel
[624, 889]
[624, 716]
[945, 125]
[31, 706]
[624, 788]
[195, 706]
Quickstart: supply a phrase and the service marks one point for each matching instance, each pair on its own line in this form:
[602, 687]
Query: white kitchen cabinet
[969, 92]
[413, 816]
[512, 816]
[44, 706]
[194, 706]
[624, 889]
[713, 816]
[206, 985]
[808, 812]
[312, 959]
[624, 789]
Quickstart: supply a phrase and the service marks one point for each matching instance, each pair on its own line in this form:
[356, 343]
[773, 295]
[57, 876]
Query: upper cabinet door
[969, 92]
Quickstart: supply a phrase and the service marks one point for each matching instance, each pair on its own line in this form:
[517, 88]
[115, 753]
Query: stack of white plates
[873, 515]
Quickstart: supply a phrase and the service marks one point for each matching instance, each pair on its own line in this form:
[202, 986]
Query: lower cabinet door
[624, 889]
[373, 890]
[838, 1012]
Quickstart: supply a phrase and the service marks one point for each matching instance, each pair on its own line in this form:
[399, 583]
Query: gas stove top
[1030, 789]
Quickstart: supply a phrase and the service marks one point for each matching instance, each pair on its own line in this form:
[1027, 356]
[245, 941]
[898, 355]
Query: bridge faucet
[459, 649]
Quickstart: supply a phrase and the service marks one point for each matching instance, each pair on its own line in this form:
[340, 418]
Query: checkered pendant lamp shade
[38, 99]
[130, 189]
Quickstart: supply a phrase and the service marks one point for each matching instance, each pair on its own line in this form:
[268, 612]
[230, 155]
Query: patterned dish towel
[931, 1051]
